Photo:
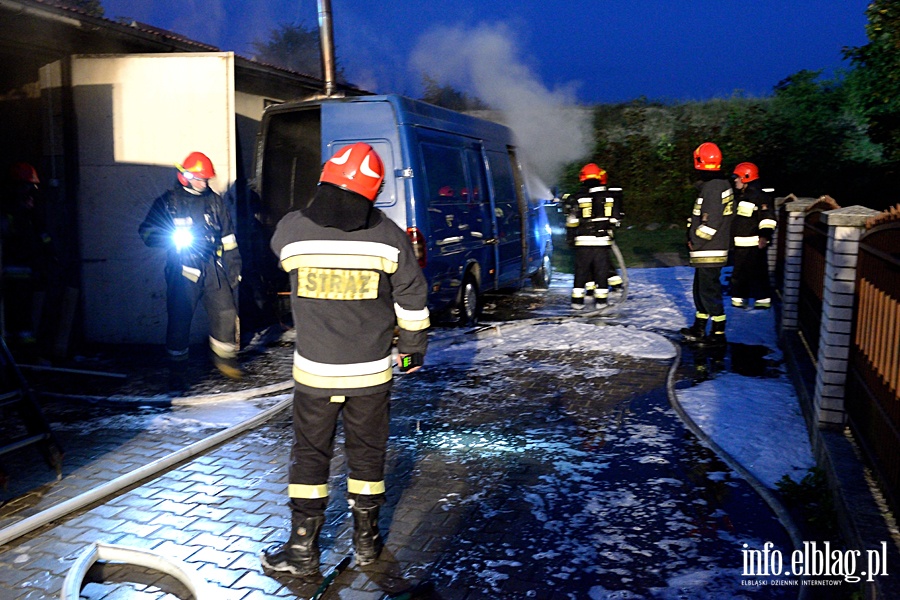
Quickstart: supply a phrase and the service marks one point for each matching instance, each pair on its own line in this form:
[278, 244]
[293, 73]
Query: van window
[445, 179]
[444, 174]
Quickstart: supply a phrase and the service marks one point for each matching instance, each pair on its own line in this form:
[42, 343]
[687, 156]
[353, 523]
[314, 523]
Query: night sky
[585, 52]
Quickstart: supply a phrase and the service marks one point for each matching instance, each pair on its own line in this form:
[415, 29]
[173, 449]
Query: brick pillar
[845, 227]
[772, 253]
[794, 213]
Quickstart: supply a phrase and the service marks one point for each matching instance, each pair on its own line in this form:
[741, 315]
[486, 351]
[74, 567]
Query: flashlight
[182, 236]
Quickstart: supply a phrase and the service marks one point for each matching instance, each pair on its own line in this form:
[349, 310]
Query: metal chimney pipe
[326, 37]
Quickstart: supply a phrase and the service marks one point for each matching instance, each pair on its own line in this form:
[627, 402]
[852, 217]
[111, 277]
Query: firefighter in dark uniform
[592, 213]
[752, 230]
[709, 237]
[26, 258]
[354, 279]
[202, 262]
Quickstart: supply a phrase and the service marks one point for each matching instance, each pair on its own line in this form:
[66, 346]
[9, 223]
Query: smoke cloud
[551, 129]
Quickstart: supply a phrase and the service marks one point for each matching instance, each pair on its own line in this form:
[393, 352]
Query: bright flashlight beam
[182, 237]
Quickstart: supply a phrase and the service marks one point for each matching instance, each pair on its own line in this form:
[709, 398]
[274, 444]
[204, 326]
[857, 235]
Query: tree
[295, 47]
[449, 97]
[875, 82]
[92, 8]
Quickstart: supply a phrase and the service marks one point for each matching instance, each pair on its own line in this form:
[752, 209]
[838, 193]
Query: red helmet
[356, 168]
[196, 166]
[747, 172]
[446, 192]
[707, 157]
[23, 172]
[592, 171]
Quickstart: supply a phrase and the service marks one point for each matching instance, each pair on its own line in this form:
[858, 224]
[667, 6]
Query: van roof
[417, 113]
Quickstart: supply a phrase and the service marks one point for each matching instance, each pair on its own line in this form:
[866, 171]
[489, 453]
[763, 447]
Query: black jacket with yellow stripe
[348, 292]
[209, 221]
[592, 214]
[709, 226]
[754, 217]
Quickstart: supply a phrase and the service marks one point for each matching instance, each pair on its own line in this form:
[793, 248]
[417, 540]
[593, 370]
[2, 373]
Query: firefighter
[754, 225]
[354, 280]
[27, 255]
[592, 213]
[202, 262]
[709, 237]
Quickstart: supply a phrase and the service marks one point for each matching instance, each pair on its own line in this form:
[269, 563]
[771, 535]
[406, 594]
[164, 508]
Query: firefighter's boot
[615, 283]
[228, 366]
[716, 337]
[578, 298]
[367, 542]
[178, 367]
[695, 332]
[298, 556]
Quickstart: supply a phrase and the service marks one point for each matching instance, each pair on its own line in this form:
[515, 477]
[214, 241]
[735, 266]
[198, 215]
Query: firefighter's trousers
[181, 302]
[750, 278]
[707, 291]
[366, 422]
[591, 266]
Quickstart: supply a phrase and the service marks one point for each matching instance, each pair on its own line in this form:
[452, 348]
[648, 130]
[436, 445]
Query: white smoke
[551, 129]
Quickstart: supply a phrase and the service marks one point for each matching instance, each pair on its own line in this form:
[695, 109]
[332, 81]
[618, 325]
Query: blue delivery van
[454, 182]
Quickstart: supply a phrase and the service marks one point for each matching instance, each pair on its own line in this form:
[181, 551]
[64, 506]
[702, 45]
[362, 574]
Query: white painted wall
[137, 115]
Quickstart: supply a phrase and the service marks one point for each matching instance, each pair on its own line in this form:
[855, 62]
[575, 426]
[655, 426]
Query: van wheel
[467, 302]
[541, 279]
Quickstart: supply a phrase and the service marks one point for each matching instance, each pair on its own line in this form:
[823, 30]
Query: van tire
[541, 279]
[468, 302]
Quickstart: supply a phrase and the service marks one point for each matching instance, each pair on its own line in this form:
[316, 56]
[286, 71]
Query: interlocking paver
[470, 504]
[175, 535]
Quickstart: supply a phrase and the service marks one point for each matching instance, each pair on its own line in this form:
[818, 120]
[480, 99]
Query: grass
[640, 247]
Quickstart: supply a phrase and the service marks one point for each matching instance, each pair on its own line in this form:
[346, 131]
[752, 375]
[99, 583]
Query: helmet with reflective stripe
[707, 157]
[356, 168]
[23, 172]
[747, 172]
[196, 166]
[592, 171]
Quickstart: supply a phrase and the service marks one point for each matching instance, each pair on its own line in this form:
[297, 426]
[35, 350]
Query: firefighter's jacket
[592, 214]
[348, 292]
[754, 216]
[709, 227]
[207, 218]
[27, 248]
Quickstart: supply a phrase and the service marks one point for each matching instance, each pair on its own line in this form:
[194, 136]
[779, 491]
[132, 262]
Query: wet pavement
[526, 474]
